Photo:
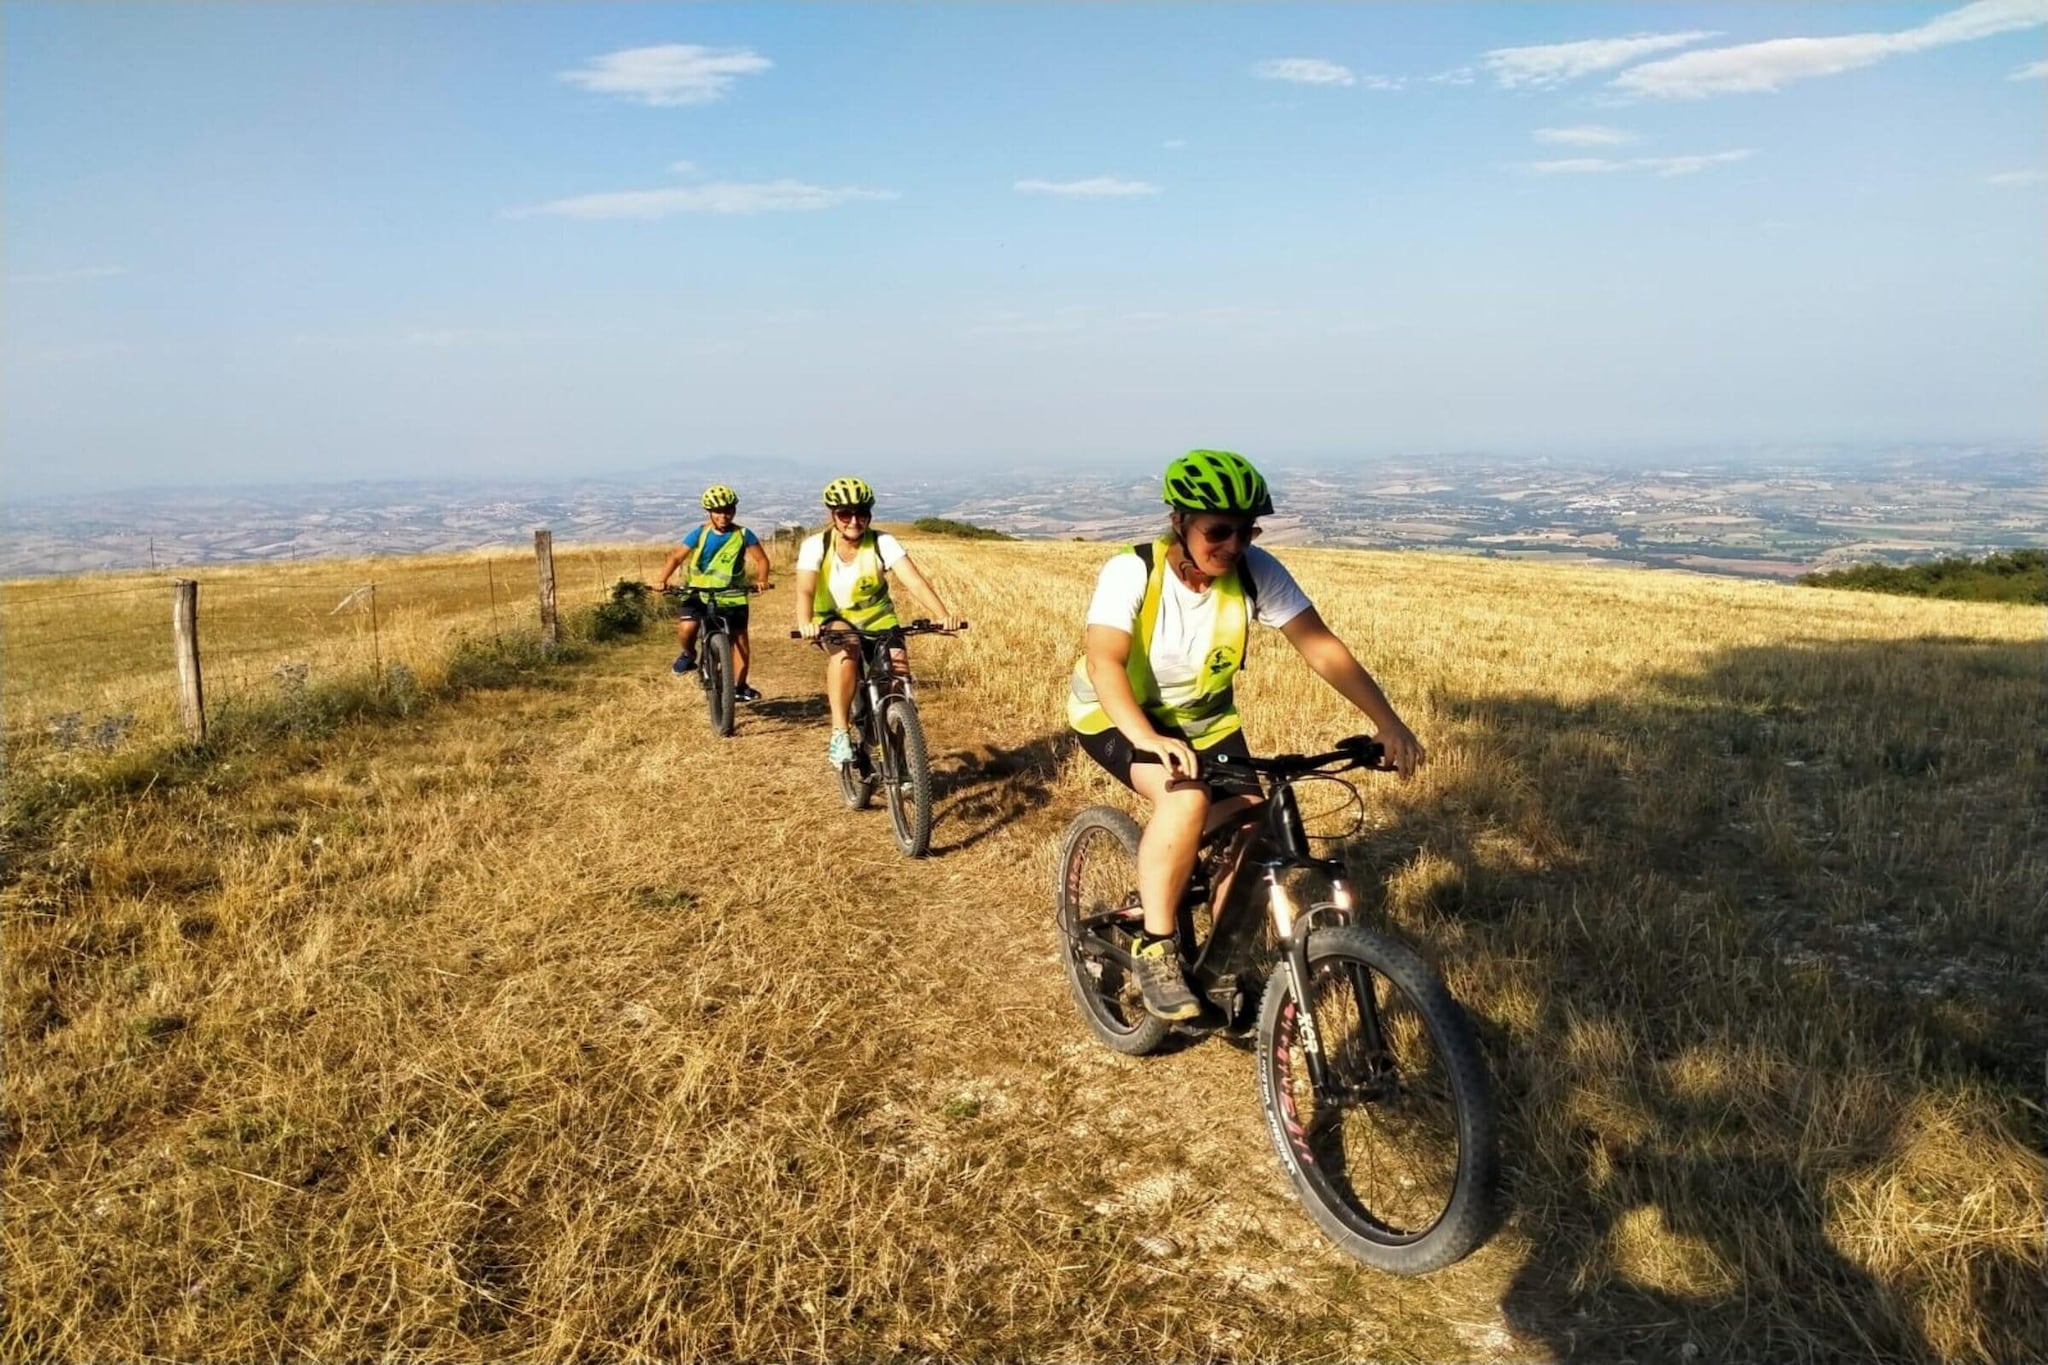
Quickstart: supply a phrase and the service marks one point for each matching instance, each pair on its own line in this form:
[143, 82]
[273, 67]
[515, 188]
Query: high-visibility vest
[868, 606]
[721, 570]
[1205, 709]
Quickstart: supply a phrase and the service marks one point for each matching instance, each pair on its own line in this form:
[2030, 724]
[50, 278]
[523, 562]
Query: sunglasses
[1216, 532]
[852, 514]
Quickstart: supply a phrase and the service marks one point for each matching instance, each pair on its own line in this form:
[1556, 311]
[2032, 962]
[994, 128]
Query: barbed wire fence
[89, 670]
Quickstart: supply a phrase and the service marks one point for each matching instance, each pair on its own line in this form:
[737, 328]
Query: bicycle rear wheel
[907, 777]
[1394, 1158]
[1098, 886]
[718, 681]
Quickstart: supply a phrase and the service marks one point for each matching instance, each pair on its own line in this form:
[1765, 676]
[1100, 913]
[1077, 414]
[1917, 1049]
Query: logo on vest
[1221, 660]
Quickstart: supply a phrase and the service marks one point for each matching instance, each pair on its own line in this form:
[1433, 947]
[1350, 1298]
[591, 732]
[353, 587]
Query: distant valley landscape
[1775, 514]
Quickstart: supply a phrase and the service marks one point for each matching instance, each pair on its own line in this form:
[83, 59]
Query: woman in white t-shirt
[1188, 601]
[842, 578]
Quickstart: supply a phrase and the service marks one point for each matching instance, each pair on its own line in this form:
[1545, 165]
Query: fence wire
[93, 668]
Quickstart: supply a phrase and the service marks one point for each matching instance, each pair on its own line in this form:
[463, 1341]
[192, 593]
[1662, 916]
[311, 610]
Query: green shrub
[941, 526]
[2015, 576]
[626, 612]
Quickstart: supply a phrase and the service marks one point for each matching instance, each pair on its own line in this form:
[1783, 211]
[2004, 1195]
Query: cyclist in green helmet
[1166, 633]
[842, 580]
[719, 553]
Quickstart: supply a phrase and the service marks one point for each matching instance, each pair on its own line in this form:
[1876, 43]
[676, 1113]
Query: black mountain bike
[1376, 1095]
[888, 747]
[714, 653]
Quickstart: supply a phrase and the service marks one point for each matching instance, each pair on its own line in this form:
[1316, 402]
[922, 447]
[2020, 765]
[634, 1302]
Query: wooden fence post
[185, 640]
[544, 557]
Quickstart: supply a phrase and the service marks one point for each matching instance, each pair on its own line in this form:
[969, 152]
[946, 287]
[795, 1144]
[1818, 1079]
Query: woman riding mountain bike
[842, 578]
[1166, 634]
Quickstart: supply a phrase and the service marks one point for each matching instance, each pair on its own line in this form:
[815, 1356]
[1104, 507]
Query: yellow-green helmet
[849, 493]
[719, 498]
[1217, 481]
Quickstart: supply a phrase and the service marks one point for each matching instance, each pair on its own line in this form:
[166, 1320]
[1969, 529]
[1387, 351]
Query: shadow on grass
[1756, 954]
[979, 792]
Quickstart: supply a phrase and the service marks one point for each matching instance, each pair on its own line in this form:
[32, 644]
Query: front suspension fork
[1294, 928]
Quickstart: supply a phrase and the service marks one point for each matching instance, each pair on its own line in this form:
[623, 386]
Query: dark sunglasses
[1216, 532]
[853, 514]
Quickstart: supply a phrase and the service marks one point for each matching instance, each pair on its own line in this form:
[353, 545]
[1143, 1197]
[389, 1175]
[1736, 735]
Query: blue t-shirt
[717, 541]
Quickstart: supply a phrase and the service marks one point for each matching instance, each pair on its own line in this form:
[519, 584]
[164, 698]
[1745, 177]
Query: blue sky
[297, 241]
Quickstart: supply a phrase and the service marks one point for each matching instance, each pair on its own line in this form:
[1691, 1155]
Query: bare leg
[840, 676]
[686, 634]
[1166, 852]
[740, 651]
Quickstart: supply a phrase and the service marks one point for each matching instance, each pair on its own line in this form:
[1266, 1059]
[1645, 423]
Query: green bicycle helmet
[719, 498]
[849, 493]
[1217, 481]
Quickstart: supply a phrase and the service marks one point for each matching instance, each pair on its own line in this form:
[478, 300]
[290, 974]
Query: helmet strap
[1182, 560]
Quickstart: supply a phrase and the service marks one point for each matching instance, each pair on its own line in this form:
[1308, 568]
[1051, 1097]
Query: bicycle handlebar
[1359, 751]
[918, 627]
[680, 589]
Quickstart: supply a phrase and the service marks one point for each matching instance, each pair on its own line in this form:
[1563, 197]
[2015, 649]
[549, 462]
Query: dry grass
[543, 1025]
[89, 662]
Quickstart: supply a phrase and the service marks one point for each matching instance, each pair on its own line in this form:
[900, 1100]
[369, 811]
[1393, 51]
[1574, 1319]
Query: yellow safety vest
[1205, 710]
[721, 570]
[868, 607]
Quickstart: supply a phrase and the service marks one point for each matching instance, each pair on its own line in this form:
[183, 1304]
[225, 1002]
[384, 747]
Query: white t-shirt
[1180, 637]
[839, 580]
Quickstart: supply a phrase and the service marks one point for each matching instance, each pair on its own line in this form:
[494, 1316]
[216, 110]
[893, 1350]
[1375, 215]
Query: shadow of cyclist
[982, 791]
[1767, 1047]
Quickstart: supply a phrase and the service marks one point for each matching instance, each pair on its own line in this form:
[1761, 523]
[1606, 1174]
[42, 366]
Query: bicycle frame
[1268, 836]
[714, 618]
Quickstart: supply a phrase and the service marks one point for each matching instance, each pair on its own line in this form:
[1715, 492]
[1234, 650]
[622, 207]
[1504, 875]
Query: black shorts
[693, 609]
[895, 636]
[1115, 754]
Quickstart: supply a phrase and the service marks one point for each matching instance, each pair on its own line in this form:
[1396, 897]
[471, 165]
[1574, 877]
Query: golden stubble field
[540, 1024]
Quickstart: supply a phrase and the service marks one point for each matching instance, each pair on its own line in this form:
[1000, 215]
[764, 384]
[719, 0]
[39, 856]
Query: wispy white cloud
[1457, 75]
[668, 74]
[718, 196]
[1553, 64]
[89, 272]
[1384, 82]
[1174, 144]
[1586, 135]
[1749, 68]
[1097, 187]
[2033, 177]
[1654, 165]
[1304, 71]
[2032, 71]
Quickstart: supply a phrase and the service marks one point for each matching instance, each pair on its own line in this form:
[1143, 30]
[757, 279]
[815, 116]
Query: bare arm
[806, 592]
[922, 586]
[675, 562]
[1335, 664]
[1108, 652]
[757, 560]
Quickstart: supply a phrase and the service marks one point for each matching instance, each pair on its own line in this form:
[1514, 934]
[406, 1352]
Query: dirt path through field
[546, 1025]
[1169, 1149]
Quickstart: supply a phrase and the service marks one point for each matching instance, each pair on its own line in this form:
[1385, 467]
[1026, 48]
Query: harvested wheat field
[539, 1024]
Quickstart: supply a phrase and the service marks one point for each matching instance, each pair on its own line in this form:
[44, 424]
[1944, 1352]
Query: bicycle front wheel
[907, 777]
[718, 681]
[1394, 1155]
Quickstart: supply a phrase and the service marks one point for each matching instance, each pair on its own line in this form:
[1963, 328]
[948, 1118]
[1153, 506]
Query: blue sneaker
[686, 662]
[839, 752]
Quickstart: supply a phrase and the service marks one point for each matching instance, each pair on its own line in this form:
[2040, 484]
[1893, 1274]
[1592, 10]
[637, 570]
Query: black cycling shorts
[1115, 754]
[896, 638]
[693, 609]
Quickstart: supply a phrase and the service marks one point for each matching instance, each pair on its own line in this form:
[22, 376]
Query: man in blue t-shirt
[718, 552]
